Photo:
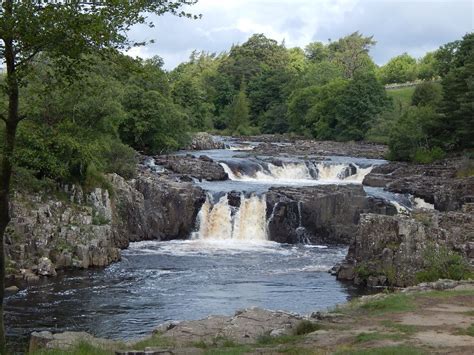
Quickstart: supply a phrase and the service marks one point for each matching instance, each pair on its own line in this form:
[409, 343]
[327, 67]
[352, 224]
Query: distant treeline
[83, 124]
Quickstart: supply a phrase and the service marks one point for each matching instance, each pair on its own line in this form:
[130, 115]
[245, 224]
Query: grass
[79, 349]
[403, 328]
[386, 350]
[390, 304]
[155, 341]
[366, 337]
[468, 331]
[401, 96]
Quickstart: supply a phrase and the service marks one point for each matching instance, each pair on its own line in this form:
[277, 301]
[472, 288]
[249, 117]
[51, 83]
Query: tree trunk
[11, 123]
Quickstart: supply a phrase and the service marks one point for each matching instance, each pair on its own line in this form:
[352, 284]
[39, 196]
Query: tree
[65, 30]
[455, 126]
[428, 67]
[239, 113]
[399, 69]
[361, 102]
[352, 53]
[316, 52]
[427, 94]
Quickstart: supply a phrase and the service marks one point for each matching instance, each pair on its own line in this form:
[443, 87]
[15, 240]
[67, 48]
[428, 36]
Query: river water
[227, 264]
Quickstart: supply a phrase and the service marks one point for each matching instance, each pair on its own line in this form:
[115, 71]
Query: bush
[426, 156]
[306, 327]
[443, 263]
[427, 94]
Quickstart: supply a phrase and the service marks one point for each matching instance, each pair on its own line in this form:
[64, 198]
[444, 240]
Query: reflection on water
[162, 281]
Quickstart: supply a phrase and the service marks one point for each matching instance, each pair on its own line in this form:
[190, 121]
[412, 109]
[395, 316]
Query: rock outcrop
[199, 168]
[152, 207]
[204, 141]
[75, 229]
[389, 250]
[438, 183]
[325, 214]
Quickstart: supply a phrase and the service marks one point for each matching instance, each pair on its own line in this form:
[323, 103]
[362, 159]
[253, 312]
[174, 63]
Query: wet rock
[326, 214]
[12, 289]
[436, 183]
[46, 268]
[204, 141]
[277, 145]
[29, 276]
[199, 168]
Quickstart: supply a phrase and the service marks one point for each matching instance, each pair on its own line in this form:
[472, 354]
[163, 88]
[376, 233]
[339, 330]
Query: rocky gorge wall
[75, 229]
[391, 250]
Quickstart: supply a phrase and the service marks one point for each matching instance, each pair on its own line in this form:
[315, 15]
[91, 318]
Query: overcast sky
[413, 26]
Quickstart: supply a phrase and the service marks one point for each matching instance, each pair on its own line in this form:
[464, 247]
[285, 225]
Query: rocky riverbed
[258, 190]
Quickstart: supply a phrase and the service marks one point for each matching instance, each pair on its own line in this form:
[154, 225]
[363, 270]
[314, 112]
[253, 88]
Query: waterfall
[294, 171]
[220, 221]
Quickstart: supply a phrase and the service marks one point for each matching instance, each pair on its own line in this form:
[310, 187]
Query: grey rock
[202, 168]
[204, 141]
[389, 250]
[46, 267]
[326, 214]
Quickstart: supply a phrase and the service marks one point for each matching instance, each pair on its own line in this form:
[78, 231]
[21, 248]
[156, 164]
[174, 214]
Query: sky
[398, 26]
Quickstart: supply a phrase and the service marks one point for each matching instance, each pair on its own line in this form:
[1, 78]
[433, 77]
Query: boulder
[204, 141]
[202, 168]
[45, 267]
[65, 341]
[246, 326]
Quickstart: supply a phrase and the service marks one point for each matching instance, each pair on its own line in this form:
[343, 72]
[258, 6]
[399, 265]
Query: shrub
[443, 263]
[306, 327]
[426, 155]
[427, 94]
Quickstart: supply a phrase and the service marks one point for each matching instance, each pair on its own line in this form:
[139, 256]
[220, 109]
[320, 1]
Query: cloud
[414, 26]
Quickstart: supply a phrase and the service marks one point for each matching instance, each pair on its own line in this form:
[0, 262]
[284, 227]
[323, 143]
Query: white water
[221, 222]
[299, 172]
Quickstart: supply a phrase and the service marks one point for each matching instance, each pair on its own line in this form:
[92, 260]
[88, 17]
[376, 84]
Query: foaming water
[158, 282]
[293, 173]
[225, 223]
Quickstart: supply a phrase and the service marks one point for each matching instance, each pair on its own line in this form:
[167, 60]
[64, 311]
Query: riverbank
[429, 318]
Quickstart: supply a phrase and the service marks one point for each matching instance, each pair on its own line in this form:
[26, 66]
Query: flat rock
[245, 326]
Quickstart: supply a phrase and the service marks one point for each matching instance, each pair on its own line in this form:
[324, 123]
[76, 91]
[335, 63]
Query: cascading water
[220, 221]
[294, 171]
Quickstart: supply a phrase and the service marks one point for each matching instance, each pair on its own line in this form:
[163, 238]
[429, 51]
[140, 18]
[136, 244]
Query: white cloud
[413, 26]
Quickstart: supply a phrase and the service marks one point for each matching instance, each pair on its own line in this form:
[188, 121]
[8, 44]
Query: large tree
[65, 30]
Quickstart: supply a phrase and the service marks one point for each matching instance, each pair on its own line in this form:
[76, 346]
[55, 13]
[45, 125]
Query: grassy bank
[401, 323]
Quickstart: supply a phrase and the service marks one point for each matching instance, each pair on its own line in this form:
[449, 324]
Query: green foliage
[455, 126]
[98, 219]
[468, 331]
[467, 168]
[443, 263]
[387, 350]
[428, 67]
[399, 69]
[389, 304]
[375, 336]
[306, 327]
[410, 135]
[403, 328]
[352, 53]
[427, 94]
[426, 155]
[79, 349]
[239, 113]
